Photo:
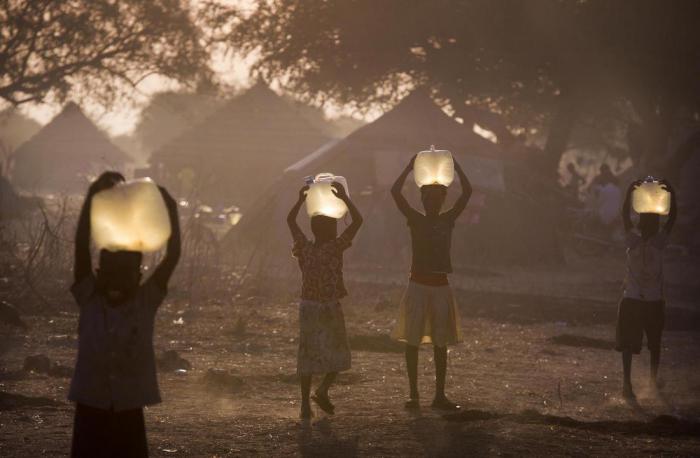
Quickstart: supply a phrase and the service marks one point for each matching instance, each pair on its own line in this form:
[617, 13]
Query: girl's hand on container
[106, 181]
[167, 198]
[665, 185]
[634, 185]
[339, 191]
[302, 193]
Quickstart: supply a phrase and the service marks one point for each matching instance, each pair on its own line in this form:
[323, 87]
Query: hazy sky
[121, 119]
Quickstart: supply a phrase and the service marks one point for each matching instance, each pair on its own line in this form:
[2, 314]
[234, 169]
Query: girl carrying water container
[115, 372]
[323, 344]
[642, 307]
[428, 309]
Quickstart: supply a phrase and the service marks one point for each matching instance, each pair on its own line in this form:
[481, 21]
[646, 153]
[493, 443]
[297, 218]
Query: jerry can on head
[320, 199]
[434, 167]
[651, 197]
[130, 216]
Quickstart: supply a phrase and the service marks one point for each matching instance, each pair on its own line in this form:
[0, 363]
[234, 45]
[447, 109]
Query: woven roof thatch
[497, 227]
[65, 154]
[373, 155]
[236, 152]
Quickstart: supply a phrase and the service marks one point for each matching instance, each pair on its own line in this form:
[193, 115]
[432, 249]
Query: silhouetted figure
[573, 188]
[605, 176]
[641, 310]
[428, 308]
[115, 374]
[323, 342]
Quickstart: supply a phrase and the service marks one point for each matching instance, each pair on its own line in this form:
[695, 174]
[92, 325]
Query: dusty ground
[536, 376]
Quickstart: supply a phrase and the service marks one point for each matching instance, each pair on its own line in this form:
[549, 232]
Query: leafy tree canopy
[539, 63]
[99, 48]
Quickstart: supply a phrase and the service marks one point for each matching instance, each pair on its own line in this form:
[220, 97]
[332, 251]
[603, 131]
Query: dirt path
[536, 376]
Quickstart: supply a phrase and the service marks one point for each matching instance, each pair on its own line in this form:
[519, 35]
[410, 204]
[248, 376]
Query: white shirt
[644, 279]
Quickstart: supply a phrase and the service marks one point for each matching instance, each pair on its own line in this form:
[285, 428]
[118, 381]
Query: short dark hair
[120, 260]
[324, 226]
[428, 187]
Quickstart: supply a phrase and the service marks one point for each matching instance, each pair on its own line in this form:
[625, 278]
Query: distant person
[641, 310]
[428, 309]
[604, 200]
[608, 201]
[323, 343]
[573, 188]
[605, 176]
[115, 374]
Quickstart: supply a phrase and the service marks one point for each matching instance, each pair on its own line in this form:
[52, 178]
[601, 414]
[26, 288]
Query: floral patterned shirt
[321, 267]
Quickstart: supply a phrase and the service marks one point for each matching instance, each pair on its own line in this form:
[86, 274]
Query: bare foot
[628, 394]
[323, 402]
[442, 403]
[412, 404]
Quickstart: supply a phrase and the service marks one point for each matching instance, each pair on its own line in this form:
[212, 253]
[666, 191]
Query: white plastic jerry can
[650, 197]
[320, 199]
[130, 216]
[434, 167]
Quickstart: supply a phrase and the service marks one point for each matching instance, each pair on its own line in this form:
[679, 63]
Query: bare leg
[627, 375]
[326, 384]
[655, 357]
[440, 355]
[441, 401]
[320, 396]
[412, 370]
[305, 381]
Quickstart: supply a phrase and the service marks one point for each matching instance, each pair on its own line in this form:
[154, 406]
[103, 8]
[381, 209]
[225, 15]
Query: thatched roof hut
[498, 226]
[65, 155]
[235, 153]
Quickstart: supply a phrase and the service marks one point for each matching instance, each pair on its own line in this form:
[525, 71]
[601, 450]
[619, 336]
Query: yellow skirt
[428, 314]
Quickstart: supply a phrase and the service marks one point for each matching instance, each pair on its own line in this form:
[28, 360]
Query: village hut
[500, 226]
[65, 155]
[235, 154]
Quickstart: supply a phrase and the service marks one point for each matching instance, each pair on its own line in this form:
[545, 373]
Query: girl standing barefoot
[323, 343]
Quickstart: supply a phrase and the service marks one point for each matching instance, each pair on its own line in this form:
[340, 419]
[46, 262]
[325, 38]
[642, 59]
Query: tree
[51, 48]
[538, 63]
[15, 129]
[170, 113]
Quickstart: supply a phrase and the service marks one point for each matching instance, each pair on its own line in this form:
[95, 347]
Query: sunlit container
[130, 216]
[434, 166]
[650, 197]
[320, 199]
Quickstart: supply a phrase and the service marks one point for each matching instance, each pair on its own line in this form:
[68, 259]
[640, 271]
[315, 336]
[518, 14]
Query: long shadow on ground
[663, 425]
[9, 401]
[572, 340]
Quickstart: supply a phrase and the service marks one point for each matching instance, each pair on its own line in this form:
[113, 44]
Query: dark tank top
[431, 240]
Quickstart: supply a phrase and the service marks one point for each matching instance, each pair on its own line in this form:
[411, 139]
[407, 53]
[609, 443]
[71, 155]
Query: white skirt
[428, 314]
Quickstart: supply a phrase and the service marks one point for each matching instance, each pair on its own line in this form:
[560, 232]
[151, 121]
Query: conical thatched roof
[236, 152]
[65, 154]
[374, 154]
[497, 226]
